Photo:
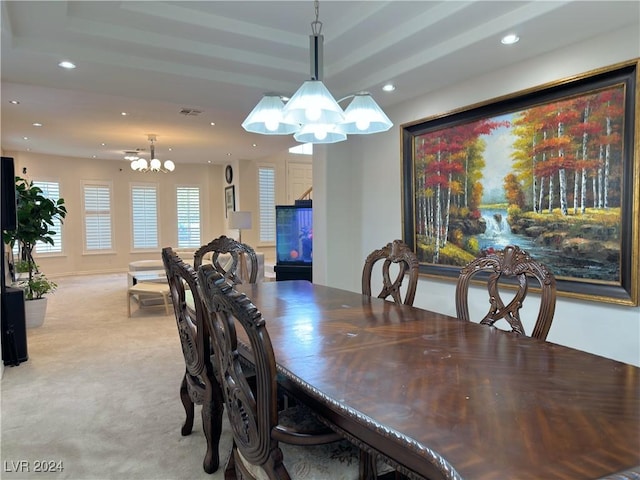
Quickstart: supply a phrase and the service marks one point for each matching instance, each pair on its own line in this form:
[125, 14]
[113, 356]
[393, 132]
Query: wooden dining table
[441, 398]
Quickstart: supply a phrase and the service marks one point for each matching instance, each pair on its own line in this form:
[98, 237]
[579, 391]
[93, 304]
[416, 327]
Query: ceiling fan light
[364, 116]
[313, 103]
[169, 166]
[266, 118]
[319, 133]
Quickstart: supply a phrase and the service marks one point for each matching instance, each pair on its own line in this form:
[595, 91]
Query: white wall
[71, 172]
[358, 204]
[247, 193]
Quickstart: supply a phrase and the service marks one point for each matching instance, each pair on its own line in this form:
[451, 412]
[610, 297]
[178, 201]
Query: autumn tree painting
[560, 191]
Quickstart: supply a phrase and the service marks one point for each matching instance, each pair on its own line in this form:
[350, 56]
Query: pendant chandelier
[312, 115]
[139, 164]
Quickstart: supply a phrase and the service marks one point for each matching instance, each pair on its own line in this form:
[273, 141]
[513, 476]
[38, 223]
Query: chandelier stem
[316, 54]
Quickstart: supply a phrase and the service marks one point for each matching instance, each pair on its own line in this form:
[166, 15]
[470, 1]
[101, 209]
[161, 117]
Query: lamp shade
[320, 133]
[240, 220]
[313, 104]
[266, 118]
[363, 116]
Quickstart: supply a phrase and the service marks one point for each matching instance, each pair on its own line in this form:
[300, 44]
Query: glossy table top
[452, 399]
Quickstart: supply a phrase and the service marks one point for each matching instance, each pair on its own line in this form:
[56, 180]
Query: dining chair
[516, 265]
[231, 258]
[393, 253]
[267, 443]
[199, 385]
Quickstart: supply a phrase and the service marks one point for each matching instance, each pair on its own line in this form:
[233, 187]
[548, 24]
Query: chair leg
[188, 407]
[129, 304]
[368, 469]
[165, 297]
[212, 411]
[230, 468]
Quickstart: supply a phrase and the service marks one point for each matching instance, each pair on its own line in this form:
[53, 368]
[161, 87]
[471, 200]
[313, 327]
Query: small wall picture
[229, 200]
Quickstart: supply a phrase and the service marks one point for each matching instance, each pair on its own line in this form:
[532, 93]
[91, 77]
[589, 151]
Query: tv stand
[293, 272]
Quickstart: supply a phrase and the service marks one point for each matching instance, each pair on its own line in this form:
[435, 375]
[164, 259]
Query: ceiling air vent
[191, 112]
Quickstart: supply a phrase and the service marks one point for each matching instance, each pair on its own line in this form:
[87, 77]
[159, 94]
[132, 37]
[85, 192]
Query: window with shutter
[98, 230]
[188, 202]
[267, 203]
[51, 190]
[144, 216]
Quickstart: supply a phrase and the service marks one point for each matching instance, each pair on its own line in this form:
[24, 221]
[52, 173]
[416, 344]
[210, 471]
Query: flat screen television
[294, 235]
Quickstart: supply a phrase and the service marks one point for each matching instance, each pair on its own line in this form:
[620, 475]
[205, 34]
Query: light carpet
[99, 394]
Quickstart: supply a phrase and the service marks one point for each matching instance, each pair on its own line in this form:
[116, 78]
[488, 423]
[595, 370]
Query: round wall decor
[228, 174]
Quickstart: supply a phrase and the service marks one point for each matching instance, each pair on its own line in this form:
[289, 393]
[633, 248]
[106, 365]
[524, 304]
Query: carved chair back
[394, 253]
[510, 263]
[199, 385]
[252, 401]
[253, 414]
[242, 257]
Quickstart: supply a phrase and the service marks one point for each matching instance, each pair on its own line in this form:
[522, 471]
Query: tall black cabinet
[12, 322]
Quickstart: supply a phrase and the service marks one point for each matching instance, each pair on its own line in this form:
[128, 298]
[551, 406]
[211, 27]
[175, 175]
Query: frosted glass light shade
[313, 104]
[142, 164]
[134, 165]
[169, 166]
[266, 118]
[155, 164]
[320, 133]
[363, 116]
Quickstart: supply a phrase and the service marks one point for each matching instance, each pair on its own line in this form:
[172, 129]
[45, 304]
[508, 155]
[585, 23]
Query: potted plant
[35, 217]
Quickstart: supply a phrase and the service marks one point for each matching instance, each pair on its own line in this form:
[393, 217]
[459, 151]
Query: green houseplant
[35, 217]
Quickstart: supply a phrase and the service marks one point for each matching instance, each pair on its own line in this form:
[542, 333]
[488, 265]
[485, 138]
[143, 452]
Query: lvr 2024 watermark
[33, 466]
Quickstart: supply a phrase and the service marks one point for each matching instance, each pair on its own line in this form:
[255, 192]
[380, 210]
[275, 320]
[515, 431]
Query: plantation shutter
[97, 217]
[267, 203]
[51, 190]
[188, 202]
[144, 216]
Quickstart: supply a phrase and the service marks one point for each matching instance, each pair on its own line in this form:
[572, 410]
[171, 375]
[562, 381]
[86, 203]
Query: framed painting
[553, 169]
[229, 200]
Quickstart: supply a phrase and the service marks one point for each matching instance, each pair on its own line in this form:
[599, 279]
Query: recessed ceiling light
[124, 114]
[36, 124]
[228, 154]
[93, 156]
[213, 124]
[25, 138]
[15, 102]
[254, 145]
[103, 144]
[208, 161]
[510, 39]
[389, 87]
[67, 64]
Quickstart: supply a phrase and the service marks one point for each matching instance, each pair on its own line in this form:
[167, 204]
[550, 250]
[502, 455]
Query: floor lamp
[241, 221]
